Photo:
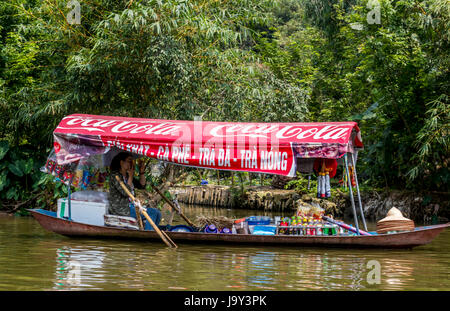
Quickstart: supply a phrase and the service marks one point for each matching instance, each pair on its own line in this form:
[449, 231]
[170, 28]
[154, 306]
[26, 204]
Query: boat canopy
[269, 148]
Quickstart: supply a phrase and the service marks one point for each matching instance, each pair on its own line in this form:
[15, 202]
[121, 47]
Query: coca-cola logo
[332, 132]
[118, 126]
[313, 131]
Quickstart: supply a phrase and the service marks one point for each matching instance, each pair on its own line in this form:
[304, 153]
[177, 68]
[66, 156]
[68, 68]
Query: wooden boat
[95, 139]
[420, 236]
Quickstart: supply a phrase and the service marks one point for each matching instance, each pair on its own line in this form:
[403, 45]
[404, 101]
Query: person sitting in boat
[120, 203]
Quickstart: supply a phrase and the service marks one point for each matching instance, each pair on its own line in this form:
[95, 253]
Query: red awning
[254, 147]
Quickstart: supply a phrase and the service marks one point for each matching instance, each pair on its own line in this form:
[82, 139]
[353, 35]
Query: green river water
[34, 259]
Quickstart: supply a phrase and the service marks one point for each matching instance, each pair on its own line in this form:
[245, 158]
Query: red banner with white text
[269, 148]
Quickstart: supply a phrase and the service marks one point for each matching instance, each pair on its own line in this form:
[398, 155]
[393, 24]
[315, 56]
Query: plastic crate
[258, 220]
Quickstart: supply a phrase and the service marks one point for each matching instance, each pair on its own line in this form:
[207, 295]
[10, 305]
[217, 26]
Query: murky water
[34, 259]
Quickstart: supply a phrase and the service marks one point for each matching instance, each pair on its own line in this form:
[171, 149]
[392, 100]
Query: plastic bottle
[302, 230]
[319, 230]
[294, 225]
[283, 230]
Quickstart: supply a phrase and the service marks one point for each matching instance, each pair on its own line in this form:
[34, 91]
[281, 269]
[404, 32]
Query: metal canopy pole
[351, 194]
[357, 191]
[69, 200]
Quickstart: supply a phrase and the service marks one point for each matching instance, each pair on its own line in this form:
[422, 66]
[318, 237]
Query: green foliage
[300, 184]
[381, 75]
[238, 60]
[433, 136]
[20, 177]
[238, 195]
[159, 59]
[181, 59]
[162, 202]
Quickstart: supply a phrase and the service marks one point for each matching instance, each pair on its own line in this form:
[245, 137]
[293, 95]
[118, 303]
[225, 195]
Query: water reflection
[261, 269]
[398, 274]
[146, 266]
[62, 267]
[76, 267]
[314, 271]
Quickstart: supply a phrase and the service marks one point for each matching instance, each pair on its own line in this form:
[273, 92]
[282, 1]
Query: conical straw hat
[394, 221]
[394, 214]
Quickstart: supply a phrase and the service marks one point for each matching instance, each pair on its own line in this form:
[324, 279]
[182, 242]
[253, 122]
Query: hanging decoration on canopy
[324, 169]
[86, 173]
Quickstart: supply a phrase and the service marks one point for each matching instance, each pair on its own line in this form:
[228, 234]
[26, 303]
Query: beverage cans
[334, 230]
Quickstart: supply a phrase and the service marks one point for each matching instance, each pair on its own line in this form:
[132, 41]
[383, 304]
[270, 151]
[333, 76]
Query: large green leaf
[43, 178]
[28, 166]
[16, 168]
[4, 147]
[3, 180]
[12, 194]
[368, 114]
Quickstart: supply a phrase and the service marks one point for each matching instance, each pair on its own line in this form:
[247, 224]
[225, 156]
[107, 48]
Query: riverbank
[425, 207]
[422, 207]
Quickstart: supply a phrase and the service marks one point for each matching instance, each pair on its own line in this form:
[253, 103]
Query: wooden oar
[162, 234]
[174, 207]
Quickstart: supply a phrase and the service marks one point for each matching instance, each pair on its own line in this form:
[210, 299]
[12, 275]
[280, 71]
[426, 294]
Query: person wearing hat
[120, 203]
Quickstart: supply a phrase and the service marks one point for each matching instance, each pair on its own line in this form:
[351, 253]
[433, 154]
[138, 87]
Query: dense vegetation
[237, 60]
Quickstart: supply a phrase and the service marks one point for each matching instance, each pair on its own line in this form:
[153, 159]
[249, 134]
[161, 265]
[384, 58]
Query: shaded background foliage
[237, 60]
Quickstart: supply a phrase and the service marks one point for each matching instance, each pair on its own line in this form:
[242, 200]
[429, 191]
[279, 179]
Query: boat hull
[420, 236]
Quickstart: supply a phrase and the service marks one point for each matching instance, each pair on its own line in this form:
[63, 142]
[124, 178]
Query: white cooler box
[91, 213]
